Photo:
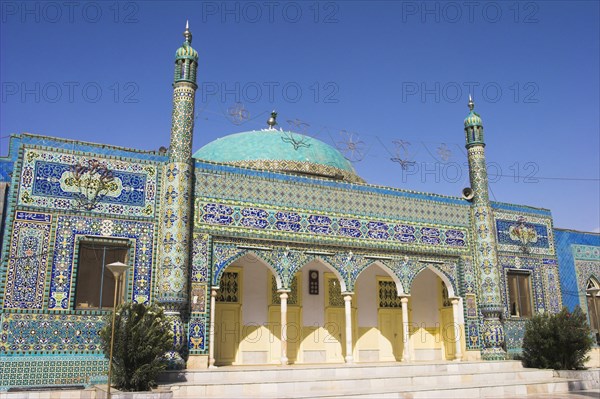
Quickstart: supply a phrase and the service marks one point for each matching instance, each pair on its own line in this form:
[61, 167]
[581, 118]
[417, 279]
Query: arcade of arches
[322, 323]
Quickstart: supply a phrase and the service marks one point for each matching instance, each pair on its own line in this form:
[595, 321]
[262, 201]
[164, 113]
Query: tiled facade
[44, 340]
[182, 238]
[578, 260]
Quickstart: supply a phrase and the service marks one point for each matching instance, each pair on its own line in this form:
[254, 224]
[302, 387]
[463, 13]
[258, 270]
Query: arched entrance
[435, 325]
[243, 331]
[322, 325]
[379, 323]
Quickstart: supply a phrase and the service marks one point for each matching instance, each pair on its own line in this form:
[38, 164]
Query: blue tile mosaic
[565, 239]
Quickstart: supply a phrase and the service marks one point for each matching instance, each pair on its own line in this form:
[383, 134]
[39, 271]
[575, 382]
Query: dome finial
[187, 34]
[471, 103]
[272, 120]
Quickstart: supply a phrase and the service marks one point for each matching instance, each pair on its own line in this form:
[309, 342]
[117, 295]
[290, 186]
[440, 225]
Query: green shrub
[142, 335]
[559, 341]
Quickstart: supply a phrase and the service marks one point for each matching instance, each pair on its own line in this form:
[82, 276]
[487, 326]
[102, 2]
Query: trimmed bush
[142, 335]
[557, 341]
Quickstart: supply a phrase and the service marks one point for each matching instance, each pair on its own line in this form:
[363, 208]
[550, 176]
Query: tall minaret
[486, 257]
[176, 217]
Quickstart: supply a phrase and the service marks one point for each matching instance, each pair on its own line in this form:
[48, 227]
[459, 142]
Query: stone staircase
[372, 380]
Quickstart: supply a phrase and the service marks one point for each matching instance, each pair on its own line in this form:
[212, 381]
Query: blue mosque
[266, 252]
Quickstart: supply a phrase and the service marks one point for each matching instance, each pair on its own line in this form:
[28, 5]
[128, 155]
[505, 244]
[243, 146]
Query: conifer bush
[558, 341]
[142, 335]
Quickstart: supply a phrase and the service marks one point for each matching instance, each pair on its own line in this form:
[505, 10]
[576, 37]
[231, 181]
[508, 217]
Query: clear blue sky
[392, 77]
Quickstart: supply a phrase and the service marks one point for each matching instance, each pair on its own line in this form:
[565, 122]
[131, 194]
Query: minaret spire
[482, 225]
[187, 34]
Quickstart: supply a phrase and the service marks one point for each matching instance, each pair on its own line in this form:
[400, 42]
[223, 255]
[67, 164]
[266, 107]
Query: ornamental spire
[471, 103]
[272, 120]
[187, 34]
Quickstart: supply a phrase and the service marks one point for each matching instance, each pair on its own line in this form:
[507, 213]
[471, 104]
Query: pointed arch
[592, 283]
[592, 301]
[219, 267]
[452, 291]
[585, 274]
[390, 272]
[223, 256]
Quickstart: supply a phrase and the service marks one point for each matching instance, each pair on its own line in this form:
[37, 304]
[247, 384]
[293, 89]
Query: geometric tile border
[22, 332]
[22, 371]
[298, 224]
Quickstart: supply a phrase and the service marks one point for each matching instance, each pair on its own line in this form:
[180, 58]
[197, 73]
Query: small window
[229, 288]
[446, 302]
[519, 293]
[95, 287]
[388, 295]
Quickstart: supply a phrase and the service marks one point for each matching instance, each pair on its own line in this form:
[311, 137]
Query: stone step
[470, 390]
[236, 374]
[471, 379]
[480, 390]
[294, 382]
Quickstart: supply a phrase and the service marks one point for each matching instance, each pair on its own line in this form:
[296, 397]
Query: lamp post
[117, 269]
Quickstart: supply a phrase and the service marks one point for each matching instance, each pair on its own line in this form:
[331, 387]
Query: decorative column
[348, 313]
[175, 225]
[486, 257]
[458, 332]
[211, 347]
[283, 296]
[405, 331]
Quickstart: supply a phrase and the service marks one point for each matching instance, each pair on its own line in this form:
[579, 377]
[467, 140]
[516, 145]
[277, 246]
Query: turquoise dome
[473, 119]
[186, 51]
[279, 151]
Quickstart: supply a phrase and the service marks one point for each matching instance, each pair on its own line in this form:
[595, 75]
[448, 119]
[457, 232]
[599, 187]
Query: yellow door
[390, 329]
[227, 331]
[335, 320]
[227, 317]
[390, 321]
[448, 333]
[336, 334]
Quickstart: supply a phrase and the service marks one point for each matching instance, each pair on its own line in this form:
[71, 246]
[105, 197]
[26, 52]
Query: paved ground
[571, 395]
[590, 394]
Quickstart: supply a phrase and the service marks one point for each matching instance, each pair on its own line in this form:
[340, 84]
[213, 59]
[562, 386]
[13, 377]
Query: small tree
[560, 341]
[142, 335]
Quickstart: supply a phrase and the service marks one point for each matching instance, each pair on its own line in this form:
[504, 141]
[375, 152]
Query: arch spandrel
[286, 263]
[349, 265]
